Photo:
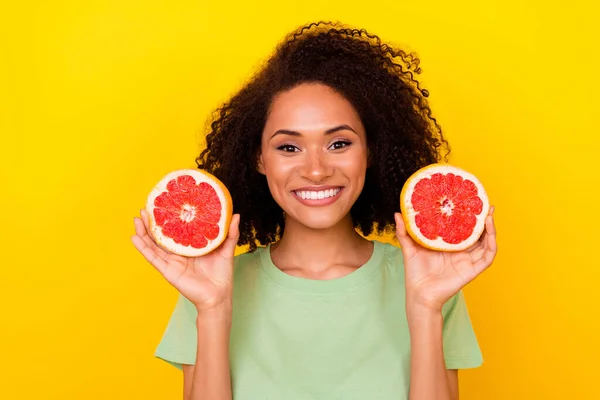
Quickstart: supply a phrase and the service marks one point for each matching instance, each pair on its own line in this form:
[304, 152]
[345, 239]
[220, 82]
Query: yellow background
[99, 99]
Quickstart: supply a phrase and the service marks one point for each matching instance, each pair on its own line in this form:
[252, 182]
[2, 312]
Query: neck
[317, 252]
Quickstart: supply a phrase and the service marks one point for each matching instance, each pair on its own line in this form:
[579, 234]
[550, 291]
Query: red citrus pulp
[189, 212]
[444, 207]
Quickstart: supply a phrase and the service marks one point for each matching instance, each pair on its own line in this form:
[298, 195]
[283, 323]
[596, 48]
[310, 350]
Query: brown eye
[340, 144]
[288, 148]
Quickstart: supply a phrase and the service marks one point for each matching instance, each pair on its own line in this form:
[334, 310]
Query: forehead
[311, 106]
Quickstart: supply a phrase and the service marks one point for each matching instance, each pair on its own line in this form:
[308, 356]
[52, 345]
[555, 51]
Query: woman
[315, 150]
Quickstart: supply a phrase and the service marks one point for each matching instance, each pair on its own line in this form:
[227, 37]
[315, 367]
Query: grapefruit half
[444, 207]
[189, 212]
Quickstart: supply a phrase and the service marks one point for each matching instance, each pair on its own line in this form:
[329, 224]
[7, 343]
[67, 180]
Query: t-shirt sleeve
[461, 348]
[179, 340]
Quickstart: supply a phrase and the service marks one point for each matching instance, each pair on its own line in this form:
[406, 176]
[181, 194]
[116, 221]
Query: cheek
[355, 165]
[277, 171]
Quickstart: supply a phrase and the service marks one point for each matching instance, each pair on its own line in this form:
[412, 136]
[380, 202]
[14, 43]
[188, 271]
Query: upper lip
[316, 188]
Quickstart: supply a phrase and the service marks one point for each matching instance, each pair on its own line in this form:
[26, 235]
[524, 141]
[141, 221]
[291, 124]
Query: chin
[319, 220]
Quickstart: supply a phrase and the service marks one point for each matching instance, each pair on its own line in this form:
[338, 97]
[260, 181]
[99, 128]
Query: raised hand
[433, 277]
[205, 281]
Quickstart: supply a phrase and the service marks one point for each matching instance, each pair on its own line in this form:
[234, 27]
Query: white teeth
[314, 195]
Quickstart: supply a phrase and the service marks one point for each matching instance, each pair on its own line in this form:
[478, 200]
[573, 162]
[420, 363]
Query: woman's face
[314, 155]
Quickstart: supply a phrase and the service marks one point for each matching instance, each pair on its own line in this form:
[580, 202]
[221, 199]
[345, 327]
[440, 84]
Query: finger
[407, 244]
[141, 229]
[145, 218]
[490, 227]
[490, 247]
[233, 235]
[234, 227]
[479, 246]
[150, 253]
[142, 232]
[490, 243]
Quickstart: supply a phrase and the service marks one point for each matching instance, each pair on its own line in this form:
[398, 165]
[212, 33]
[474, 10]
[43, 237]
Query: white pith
[439, 243]
[316, 194]
[448, 207]
[188, 214]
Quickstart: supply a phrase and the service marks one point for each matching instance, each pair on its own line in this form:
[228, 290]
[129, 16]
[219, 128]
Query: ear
[260, 165]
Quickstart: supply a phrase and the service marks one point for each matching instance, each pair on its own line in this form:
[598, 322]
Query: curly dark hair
[376, 78]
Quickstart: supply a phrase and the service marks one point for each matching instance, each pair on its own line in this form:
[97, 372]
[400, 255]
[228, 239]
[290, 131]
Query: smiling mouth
[316, 194]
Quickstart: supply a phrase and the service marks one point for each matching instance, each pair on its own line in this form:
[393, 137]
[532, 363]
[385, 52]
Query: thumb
[233, 235]
[408, 245]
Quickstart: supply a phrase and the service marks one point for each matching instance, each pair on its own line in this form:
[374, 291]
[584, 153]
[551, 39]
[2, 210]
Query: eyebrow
[327, 132]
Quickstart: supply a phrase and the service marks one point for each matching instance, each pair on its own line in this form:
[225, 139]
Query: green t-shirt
[296, 338]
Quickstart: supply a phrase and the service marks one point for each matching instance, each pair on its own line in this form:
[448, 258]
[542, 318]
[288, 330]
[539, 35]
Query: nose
[316, 166]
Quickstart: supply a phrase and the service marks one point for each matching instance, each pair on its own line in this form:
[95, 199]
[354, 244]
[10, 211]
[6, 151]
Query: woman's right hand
[206, 281]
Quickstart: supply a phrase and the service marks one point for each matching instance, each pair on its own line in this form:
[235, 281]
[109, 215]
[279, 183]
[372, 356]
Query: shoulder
[390, 248]
[391, 253]
[388, 260]
[246, 258]
[247, 262]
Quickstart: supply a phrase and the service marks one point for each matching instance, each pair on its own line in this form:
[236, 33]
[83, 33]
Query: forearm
[212, 380]
[428, 374]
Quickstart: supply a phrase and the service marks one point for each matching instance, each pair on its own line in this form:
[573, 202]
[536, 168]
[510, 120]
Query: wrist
[422, 313]
[219, 313]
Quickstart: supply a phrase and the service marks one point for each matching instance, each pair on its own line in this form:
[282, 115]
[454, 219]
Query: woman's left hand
[433, 277]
